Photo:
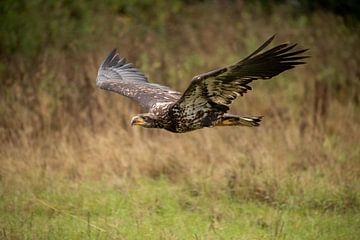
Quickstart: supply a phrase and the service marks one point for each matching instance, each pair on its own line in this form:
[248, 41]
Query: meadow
[72, 167]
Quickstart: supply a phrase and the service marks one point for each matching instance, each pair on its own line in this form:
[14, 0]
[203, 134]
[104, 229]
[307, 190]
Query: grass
[157, 209]
[71, 167]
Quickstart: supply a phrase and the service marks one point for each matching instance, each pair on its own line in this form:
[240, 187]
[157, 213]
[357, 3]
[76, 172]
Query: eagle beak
[137, 121]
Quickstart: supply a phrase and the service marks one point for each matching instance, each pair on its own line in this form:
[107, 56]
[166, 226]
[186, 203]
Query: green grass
[159, 209]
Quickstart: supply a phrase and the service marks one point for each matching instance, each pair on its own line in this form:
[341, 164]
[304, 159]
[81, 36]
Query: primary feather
[117, 75]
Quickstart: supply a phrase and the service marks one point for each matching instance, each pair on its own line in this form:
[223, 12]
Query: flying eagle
[206, 100]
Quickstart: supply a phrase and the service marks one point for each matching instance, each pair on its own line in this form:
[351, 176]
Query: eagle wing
[117, 75]
[221, 86]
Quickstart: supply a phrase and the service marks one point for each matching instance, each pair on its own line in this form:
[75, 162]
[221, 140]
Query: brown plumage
[205, 102]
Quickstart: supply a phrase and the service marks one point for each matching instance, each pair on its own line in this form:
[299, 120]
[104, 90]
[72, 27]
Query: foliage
[346, 8]
[29, 27]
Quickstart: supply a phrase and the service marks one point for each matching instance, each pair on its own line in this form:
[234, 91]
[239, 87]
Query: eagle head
[145, 120]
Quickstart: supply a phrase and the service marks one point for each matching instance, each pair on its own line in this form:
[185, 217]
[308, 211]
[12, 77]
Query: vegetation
[71, 167]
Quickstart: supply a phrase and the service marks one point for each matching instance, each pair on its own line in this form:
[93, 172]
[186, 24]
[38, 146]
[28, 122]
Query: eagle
[205, 102]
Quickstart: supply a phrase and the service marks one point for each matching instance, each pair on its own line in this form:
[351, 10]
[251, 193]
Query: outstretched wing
[222, 86]
[116, 75]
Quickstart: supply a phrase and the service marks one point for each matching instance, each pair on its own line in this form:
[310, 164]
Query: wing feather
[223, 85]
[117, 75]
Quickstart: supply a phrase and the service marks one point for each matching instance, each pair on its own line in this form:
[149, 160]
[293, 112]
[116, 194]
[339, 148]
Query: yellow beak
[137, 121]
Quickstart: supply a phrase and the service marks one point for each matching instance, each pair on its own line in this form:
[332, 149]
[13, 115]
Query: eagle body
[184, 121]
[206, 101]
[172, 118]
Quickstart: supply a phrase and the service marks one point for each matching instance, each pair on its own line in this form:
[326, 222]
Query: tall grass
[55, 124]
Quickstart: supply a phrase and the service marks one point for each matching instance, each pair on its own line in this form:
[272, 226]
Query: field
[72, 167]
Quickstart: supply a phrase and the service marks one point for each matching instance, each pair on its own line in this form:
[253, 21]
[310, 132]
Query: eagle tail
[232, 120]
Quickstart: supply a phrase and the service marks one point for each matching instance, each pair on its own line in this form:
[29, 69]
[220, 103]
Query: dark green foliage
[347, 7]
[343, 8]
[28, 27]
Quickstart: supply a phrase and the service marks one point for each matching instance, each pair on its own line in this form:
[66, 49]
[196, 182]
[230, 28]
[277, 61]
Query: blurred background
[71, 166]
